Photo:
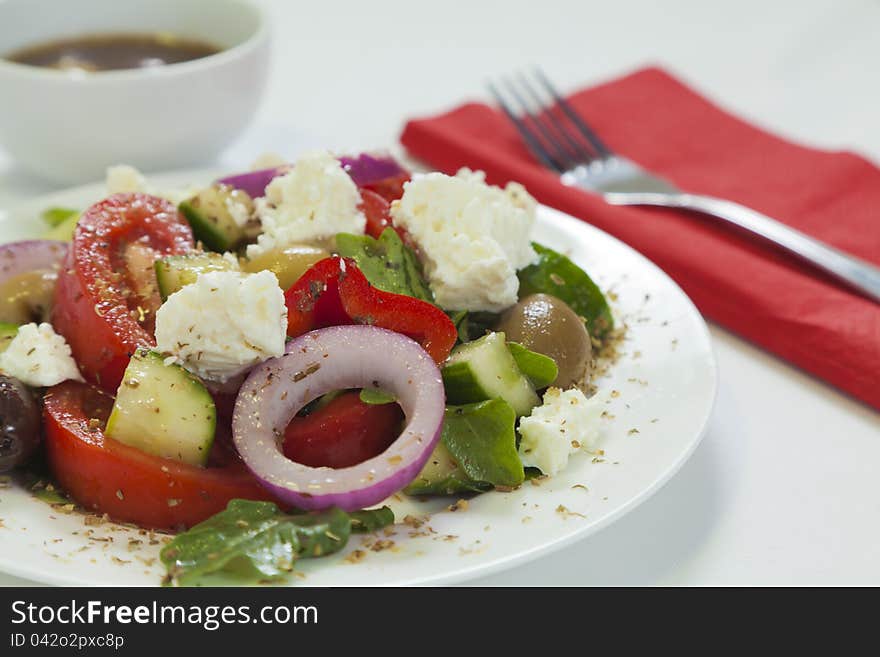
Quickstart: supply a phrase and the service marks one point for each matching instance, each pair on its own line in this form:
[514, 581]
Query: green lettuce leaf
[556, 275]
[476, 452]
[386, 262]
[472, 325]
[376, 396]
[541, 370]
[460, 319]
[371, 520]
[256, 541]
[56, 215]
[63, 224]
[443, 476]
[482, 440]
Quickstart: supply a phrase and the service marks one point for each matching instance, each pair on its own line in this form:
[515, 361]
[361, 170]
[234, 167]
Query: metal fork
[562, 141]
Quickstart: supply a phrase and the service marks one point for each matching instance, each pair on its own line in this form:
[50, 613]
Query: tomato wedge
[334, 291]
[106, 296]
[127, 484]
[377, 211]
[343, 433]
[391, 188]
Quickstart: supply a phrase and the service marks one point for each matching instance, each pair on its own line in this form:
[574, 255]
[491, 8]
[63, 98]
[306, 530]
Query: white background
[784, 488]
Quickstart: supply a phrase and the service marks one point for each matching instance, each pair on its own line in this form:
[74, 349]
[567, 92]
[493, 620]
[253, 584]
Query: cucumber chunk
[163, 410]
[174, 272]
[209, 213]
[7, 334]
[485, 369]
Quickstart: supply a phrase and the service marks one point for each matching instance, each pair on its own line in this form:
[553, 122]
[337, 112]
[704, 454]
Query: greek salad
[258, 364]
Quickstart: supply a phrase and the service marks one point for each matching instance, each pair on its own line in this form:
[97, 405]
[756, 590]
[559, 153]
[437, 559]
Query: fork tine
[530, 138]
[582, 152]
[560, 153]
[573, 116]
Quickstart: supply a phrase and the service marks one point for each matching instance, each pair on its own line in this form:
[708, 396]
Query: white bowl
[70, 127]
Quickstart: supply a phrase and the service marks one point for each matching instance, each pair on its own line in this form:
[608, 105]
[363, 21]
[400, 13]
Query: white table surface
[783, 489]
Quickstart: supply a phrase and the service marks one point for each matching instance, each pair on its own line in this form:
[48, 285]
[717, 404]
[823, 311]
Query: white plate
[665, 387]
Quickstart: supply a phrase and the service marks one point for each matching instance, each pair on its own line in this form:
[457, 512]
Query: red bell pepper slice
[334, 292]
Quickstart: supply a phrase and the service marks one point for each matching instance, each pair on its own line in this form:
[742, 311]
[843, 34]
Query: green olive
[28, 297]
[287, 263]
[547, 325]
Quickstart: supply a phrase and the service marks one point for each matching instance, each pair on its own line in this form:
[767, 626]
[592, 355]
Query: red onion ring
[254, 182]
[366, 169]
[329, 359]
[18, 258]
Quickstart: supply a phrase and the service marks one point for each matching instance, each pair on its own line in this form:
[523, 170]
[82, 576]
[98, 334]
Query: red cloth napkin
[760, 293]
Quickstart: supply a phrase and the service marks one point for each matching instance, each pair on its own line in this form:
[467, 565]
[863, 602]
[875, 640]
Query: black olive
[19, 423]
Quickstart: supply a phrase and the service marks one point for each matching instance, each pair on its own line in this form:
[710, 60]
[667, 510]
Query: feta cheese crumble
[473, 237]
[313, 202]
[239, 208]
[223, 323]
[39, 357]
[268, 160]
[125, 178]
[565, 423]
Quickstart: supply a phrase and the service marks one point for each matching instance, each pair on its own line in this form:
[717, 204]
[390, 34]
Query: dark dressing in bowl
[112, 52]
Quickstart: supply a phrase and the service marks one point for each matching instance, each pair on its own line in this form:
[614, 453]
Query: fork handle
[855, 272]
